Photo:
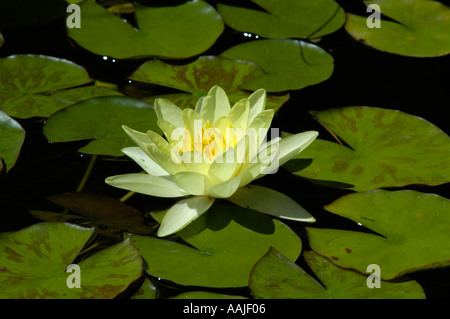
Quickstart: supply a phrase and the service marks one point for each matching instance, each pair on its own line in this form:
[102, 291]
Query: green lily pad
[33, 263]
[387, 148]
[146, 291]
[288, 64]
[198, 77]
[173, 32]
[420, 28]
[412, 232]
[71, 96]
[28, 84]
[221, 255]
[12, 136]
[100, 120]
[286, 19]
[277, 277]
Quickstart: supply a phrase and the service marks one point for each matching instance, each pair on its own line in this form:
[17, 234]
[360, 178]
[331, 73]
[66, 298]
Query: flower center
[211, 140]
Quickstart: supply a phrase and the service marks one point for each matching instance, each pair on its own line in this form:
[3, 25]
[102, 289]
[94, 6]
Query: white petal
[263, 119]
[147, 184]
[160, 142]
[167, 129]
[251, 172]
[215, 104]
[199, 105]
[144, 161]
[257, 103]
[194, 161]
[183, 213]
[192, 182]
[225, 189]
[225, 165]
[193, 122]
[167, 111]
[261, 125]
[292, 145]
[141, 139]
[164, 160]
[238, 115]
[267, 158]
[271, 202]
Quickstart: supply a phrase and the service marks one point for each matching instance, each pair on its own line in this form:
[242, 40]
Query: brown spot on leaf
[340, 166]
[348, 250]
[349, 123]
[13, 255]
[378, 179]
[358, 170]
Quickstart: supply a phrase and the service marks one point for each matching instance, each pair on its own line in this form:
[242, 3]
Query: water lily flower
[212, 151]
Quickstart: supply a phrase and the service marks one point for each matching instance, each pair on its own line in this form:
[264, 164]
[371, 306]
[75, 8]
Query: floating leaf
[103, 211]
[146, 291]
[101, 119]
[173, 32]
[288, 64]
[197, 78]
[286, 19]
[12, 136]
[78, 94]
[55, 216]
[28, 84]
[413, 232]
[221, 255]
[420, 28]
[33, 263]
[387, 148]
[277, 277]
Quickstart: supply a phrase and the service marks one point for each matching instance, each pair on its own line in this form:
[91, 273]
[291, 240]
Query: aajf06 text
[246, 308]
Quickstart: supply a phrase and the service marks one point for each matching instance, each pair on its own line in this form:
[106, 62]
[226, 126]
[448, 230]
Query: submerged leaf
[387, 148]
[277, 277]
[25, 13]
[412, 232]
[103, 211]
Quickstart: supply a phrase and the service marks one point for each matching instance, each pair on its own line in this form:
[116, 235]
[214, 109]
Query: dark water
[362, 76]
